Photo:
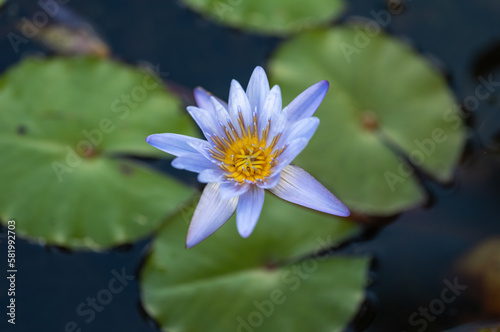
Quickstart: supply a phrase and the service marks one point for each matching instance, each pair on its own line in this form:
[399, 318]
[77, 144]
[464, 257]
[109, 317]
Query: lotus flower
[250, 143]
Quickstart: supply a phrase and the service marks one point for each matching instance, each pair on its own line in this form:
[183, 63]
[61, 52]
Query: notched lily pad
[227, 283]
[384, 100]
[276, 17]
[63, 125]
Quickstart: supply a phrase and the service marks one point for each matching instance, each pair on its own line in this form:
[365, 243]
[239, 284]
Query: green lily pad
[384, 100]
[64, 123]
[262, 283]
[277, 17]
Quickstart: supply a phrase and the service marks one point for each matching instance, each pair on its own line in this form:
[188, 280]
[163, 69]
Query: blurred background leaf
[65, 125]
[66, 40]
[480, 267]
[487, 326]
[278, 17]
[411, 255]
[215, 286]
[387, 112]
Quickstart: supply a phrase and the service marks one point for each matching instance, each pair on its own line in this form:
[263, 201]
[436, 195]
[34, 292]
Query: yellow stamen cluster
[246, 157]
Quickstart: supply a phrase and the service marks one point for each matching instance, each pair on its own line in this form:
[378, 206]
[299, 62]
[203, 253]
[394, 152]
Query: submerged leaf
[63, 124]
[262, 283]
[73, 41]
[276, 17]
[384, 99]
[480, 267]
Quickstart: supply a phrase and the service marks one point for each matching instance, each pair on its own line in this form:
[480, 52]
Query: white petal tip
[150, 138]
[193, 239]
[259, 70]
[342, 213]
[245, 233]
[190, 243]
[194, 236]
[199, 89]
[175, 164]
[321, 88]
[346, 214]
[245, 229]
[335, 207]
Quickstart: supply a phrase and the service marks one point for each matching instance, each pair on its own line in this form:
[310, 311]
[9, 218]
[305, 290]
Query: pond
[420, 251]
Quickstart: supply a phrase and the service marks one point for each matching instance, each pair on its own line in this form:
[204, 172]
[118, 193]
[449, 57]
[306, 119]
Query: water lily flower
[250, 143]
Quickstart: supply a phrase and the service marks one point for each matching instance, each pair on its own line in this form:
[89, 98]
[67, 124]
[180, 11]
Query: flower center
[246, 157]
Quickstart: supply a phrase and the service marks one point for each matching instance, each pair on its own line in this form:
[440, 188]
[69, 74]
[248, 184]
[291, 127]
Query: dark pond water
[414, 254]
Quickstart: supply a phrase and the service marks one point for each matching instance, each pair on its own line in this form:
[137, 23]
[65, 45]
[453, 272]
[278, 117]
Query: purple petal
[203, 149]
[272, 104]
[292, 150]
[232, 189]
[304, 128]
[205, 120]
[299, 187]
[249, 208]
[175, 144]
[278, 125]
[223, 116]
[305, 104]
[193, 162]
[220, 112]
[238, 102]
[203, 99]
[210, 214]
[257, 89]
[211, 175]
[271, 108]
[270, 182]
